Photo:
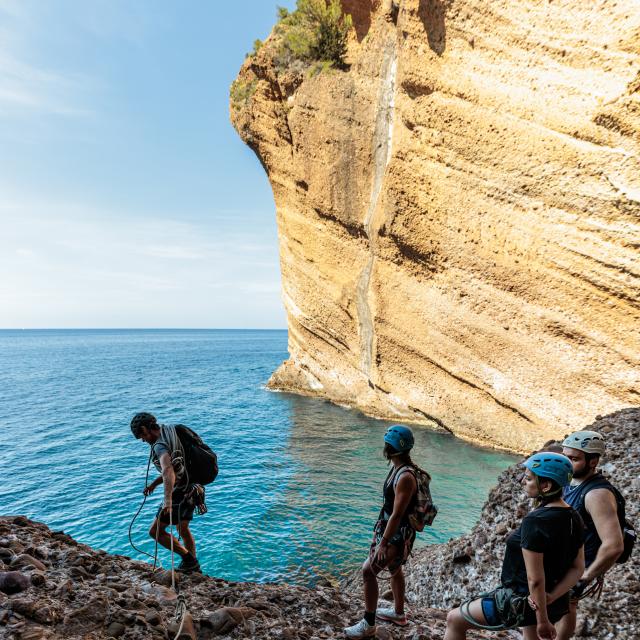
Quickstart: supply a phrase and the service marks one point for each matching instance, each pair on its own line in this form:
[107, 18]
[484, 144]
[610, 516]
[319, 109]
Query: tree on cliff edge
[317, 31]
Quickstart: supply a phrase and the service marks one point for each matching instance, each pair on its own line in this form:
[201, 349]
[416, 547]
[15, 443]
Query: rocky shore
[52, 587]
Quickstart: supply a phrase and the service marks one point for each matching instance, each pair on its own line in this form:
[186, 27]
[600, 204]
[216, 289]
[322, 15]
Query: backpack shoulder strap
[400, 472]
[598, 481]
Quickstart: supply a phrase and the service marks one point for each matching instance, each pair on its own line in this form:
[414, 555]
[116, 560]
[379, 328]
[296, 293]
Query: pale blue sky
[126, 197]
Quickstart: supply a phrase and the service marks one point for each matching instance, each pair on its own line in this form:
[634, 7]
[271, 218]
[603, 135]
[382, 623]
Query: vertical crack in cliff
[382, 150]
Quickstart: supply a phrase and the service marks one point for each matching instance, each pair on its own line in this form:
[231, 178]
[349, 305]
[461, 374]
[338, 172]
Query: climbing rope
[181, 604]
[518, 610]
[593, 590]
[135, 517]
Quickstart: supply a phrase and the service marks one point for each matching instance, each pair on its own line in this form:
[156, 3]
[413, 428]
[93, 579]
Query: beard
[582, 472]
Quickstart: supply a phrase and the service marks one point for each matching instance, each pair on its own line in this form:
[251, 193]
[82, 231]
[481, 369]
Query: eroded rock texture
[459, 212]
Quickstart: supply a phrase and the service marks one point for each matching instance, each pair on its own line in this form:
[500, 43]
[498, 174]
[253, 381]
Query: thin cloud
[61, 264]
[28, 86]
[173, 252]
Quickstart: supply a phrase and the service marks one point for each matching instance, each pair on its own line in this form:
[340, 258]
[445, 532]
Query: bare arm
[168, 478]
[602, 507]
[534, 563]
[570, 578]
[152, 485]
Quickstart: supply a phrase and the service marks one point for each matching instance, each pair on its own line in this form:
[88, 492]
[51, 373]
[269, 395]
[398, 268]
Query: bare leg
[530, 633]
[566, 626]
[397, 588]
[457, 626]
[187, 537]
[370, 579]
[159, 530]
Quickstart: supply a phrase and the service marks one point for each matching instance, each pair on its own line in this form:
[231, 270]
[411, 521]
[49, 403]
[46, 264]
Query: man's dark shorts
[182, 508]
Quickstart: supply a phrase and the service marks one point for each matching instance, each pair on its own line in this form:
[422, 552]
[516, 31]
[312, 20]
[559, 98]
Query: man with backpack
[183, 461]
[600, 505]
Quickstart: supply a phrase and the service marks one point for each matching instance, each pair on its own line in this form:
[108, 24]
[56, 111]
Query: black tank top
[389, 494]
[574, 496]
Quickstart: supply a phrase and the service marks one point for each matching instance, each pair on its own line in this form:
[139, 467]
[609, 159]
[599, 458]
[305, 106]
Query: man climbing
[593, 496]
[168, 456]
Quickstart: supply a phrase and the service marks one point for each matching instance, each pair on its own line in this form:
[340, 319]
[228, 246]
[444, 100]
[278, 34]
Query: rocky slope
[458, 213]
[54, 588]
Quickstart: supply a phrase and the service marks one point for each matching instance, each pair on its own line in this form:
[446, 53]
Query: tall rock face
[459, 213]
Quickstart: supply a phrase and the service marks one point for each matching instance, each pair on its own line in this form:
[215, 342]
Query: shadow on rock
[432, 13]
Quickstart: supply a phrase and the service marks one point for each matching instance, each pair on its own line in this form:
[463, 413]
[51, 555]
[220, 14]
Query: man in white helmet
[594, 497]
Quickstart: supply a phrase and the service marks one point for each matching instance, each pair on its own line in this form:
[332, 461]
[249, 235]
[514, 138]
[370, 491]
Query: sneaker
[189, 565]
[361, 630]
[388, 614]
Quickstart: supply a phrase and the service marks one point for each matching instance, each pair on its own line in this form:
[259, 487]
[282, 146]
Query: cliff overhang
[458, 213]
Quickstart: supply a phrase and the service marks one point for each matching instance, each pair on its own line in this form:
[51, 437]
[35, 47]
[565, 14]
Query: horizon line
[143, 328]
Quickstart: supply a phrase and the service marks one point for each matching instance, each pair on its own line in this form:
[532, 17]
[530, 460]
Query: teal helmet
[554, 466]
[399, 437]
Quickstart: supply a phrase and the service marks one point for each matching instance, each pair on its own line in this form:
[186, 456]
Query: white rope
[181, 606]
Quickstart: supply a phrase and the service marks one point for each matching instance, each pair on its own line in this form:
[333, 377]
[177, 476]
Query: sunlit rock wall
[459, 213]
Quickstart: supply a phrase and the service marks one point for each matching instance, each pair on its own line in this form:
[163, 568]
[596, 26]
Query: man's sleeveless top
[574, 496]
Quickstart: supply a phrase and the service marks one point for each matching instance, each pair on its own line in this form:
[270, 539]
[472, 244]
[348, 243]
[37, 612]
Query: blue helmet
[399, 437]
[550, 465]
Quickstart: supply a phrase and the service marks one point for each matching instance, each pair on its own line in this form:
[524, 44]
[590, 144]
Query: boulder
[13, 582]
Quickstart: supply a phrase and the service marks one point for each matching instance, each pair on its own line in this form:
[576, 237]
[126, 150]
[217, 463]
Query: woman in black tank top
[393, 536]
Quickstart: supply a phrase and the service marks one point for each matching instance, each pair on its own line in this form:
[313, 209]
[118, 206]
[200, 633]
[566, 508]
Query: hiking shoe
[189, 565]
[388, 614]
[361, 630]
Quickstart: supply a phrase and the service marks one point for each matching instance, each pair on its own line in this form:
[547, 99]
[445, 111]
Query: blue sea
[300, 479]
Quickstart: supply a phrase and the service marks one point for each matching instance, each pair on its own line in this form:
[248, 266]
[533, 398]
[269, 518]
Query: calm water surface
[300, 479]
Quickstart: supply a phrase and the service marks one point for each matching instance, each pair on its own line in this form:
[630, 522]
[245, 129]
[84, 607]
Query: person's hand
[578, 589]
[546, 631]
[166, 509]
[381, 554]
[148, 490]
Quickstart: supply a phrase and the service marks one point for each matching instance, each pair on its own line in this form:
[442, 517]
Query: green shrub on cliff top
[317, 31]
[241, 92]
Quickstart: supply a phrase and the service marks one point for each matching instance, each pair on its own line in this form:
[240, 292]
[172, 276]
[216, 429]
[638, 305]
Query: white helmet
[587, 441]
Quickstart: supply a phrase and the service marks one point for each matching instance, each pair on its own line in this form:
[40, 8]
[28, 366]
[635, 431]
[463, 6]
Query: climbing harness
[511, 609]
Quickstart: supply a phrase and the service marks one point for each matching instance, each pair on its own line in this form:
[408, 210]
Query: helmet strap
[544, 496]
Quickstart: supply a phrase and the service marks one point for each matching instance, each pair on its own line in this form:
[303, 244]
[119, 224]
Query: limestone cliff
[459, 212]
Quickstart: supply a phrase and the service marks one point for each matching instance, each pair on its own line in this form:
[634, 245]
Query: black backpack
[628, 530]
[201, 462]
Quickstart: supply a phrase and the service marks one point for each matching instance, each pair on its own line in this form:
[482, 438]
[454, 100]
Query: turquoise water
[300, 479]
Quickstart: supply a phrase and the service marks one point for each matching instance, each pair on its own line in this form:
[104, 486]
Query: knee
[156, 529]
[454, 618]
[367, 571]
